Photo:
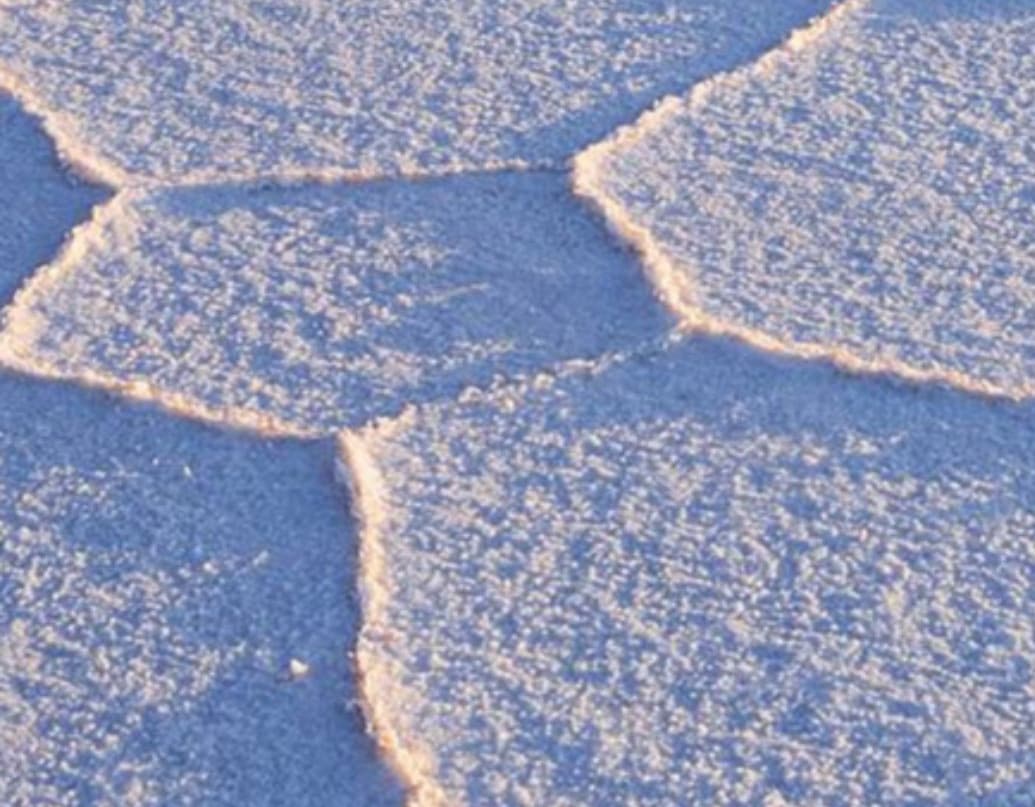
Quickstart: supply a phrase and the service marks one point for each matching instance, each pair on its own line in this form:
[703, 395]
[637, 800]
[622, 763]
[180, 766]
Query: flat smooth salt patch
[156, 580]
[326, 306]
[199, 88]
[870, 195]
[704, 577]
[41, 203]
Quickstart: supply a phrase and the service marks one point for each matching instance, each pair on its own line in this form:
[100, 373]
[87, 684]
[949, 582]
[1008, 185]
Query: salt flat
[441, 493]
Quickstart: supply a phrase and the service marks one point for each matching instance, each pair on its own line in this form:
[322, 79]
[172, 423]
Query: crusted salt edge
[676, 291]
[72, 150]
[378, 675]
[240, 419]
[18, 320]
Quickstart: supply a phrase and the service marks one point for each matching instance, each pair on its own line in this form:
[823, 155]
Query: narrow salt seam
[675, 290]
[262, 424]
[71, 150]
[380, 694]
[253, 422]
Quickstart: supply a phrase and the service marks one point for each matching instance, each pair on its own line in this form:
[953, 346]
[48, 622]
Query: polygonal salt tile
[704, 577]
[156, 579]
[198, 88]
[322, 306]
[868, 196]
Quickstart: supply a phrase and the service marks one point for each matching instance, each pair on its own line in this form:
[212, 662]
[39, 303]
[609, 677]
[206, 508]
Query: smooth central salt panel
[326, 306]
[704, 577]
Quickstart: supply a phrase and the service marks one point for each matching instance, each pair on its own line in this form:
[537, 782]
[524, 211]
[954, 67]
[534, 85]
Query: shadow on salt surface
[325, 306]
[156, 578]
[707, 576]
[41, 202]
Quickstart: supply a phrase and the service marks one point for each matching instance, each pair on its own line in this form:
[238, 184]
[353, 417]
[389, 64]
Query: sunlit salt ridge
[320, 307]
[156, 579]
[703, 576]
[864, 195]
[199, 89]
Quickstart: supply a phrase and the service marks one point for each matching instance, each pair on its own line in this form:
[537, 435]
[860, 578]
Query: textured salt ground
[40, 202]
[182, 89]
[870, 195]
[327, 306]
[930, 746]
[156, 578]
[705, 576]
